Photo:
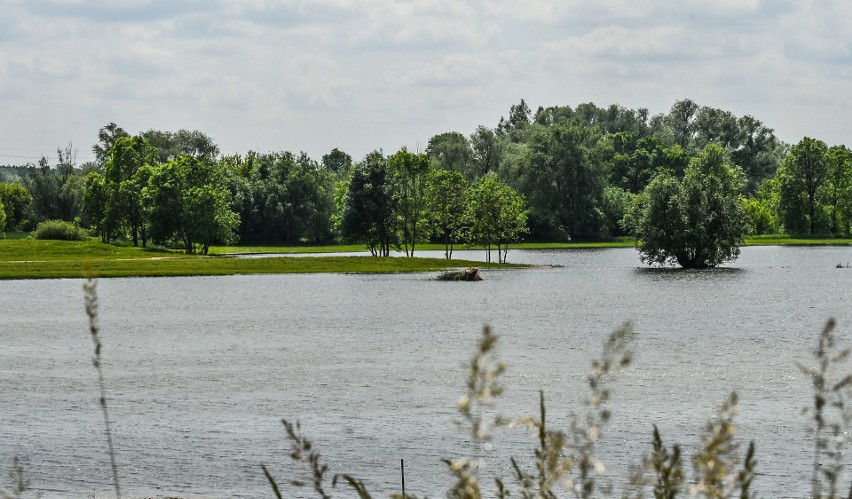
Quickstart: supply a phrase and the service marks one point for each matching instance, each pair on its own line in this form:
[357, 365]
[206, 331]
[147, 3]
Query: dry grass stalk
[302, 452]
[586, 430]
[830, 413]
[475, 406]
[91, 301]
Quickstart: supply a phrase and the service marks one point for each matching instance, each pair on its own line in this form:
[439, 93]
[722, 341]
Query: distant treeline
[559, 173]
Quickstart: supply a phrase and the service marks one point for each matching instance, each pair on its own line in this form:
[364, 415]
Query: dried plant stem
[91, 297]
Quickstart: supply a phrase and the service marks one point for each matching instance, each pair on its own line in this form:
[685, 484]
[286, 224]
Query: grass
[22, 257]
[38, 259]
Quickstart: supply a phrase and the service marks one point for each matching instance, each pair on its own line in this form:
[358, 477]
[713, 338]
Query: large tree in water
[696, 222]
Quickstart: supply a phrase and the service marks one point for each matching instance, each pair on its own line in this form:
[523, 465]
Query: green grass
[797, 240]
[37, 259]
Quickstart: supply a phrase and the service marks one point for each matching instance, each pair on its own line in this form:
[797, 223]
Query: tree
[284, 198]
[368, 213]
[802, 175]
[486, 151]
[445, 201]
[2, 218]
[186, 200]
[698, 221]
[452, 151]
[562, 176]
[495, 215]
[107, 136]
[55, 192]
[840, 178]
[95, 205]
[16, 204]
[171, 145]
[124, 185]
[680, 123]
[337, 162]
[408, 182]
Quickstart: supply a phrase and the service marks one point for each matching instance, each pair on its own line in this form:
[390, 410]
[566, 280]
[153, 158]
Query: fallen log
[471, 274]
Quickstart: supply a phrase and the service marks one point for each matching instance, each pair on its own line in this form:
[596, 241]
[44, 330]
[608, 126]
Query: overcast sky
[312, 75]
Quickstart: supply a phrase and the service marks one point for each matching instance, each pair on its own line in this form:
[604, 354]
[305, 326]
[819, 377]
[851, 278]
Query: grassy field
[35, 259]
[24, 258]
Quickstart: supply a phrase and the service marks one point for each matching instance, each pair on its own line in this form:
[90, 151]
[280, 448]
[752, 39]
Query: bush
[60, 230]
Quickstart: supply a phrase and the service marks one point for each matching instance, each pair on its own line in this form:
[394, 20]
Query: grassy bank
[622, 242]
[35, 259]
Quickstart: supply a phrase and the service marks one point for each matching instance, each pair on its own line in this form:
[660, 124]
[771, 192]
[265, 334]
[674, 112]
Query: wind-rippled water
[200, 371]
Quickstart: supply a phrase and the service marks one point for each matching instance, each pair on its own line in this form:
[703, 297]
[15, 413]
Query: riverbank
[37, 259]
[25, 258]
[621, 242]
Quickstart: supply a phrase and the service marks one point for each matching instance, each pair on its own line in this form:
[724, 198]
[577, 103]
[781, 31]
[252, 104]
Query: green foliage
[615, 205]
[2, 218]
[802, 178]
[281, 197]
[696, 222]
[337, 162]
[184, 200]
[563, 178]
[16, 201]
[368, 214]
[60, 230]
[124, 179]
[55, 192]
[172, 145]
[445, 202]
[495, 215]
[452, 151]
[486, 152]
[409, 173]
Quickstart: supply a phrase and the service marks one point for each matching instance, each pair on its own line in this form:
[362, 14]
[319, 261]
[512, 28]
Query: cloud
[317, 74]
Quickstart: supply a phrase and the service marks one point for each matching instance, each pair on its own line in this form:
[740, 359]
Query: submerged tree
[697, 222]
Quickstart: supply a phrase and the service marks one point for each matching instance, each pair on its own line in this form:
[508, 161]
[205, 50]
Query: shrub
[60, 230]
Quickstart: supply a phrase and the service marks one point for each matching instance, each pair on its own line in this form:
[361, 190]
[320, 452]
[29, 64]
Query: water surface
[201, 370]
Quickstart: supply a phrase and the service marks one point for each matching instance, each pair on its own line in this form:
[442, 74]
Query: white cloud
[317, 74]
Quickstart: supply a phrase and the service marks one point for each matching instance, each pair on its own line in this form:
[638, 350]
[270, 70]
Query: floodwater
[200, 371]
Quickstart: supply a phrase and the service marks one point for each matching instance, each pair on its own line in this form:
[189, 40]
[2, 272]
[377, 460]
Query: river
[200, 371]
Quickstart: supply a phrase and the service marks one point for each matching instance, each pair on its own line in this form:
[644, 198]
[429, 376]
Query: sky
[312, 75]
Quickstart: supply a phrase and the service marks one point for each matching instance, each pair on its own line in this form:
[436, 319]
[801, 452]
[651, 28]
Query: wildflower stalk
[91, 301]
[830, 414]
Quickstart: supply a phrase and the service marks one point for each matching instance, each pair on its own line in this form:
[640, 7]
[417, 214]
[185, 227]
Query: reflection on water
[200, 370]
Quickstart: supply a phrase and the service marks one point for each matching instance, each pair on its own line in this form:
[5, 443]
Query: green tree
[452, 151]
[95, 205]
[107, 136]
[616, 204]
[16, 202]
[802, 175]
[761, 208]
[698, 221]
[171, 145]
[495, 216]
[288, 198]
[562, 175]
[186, 200]
[337, 162]
[445, 201]
[368, 214]
[840, 177]
[486, 151]
[124, 186]
[2, 218]
[408, 183]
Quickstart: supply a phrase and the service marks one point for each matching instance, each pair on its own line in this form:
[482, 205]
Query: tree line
[556, 174]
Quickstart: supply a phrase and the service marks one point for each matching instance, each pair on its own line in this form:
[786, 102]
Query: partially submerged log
[471, 274]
